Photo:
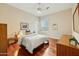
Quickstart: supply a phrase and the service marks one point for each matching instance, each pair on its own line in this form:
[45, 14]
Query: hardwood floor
[43, 50]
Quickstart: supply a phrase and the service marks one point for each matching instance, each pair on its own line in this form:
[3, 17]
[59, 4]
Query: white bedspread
[32, 41]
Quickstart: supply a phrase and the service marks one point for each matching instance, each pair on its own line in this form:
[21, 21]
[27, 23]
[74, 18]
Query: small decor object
[24, 26]
[28, 30]
[17, 35]
[73, 41]
[33, 31]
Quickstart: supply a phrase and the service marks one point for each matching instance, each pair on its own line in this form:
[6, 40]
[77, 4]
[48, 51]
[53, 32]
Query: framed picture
[24, 26]
[76, 19]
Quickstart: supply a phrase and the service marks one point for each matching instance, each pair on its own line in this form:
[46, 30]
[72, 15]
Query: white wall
[13, 17]
[63, 20]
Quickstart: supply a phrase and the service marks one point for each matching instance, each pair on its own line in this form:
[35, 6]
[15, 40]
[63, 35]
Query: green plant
[73, 39]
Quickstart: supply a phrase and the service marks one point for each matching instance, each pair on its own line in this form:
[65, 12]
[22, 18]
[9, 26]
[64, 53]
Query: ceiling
[32, 7]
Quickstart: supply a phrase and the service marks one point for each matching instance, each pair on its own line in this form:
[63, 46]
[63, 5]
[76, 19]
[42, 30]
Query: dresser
[3, 39]
[65, 49]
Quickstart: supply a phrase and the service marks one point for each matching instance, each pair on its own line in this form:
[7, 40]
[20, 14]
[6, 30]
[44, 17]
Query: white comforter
[32, 41]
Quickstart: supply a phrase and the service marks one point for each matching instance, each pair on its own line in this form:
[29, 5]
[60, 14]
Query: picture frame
[24, 26]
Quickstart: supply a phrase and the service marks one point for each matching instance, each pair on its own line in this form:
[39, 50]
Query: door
[3, 39]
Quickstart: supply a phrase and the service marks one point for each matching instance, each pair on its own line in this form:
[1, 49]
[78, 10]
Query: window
[44, 23]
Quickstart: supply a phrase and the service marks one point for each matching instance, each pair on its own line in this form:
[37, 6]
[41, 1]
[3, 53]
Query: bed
[32, 41]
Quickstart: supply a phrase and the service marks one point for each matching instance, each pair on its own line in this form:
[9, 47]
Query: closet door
[3, 39]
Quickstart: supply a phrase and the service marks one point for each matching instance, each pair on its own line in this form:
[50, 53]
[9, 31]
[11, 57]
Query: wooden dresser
[65, 49]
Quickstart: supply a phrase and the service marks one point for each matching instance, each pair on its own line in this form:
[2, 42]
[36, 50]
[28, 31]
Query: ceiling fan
[41, 9]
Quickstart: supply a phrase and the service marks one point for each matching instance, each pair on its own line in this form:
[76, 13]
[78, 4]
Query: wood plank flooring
[43, 50]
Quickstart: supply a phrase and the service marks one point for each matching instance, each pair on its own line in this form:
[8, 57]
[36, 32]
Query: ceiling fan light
[39, 12]
[38, 8]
